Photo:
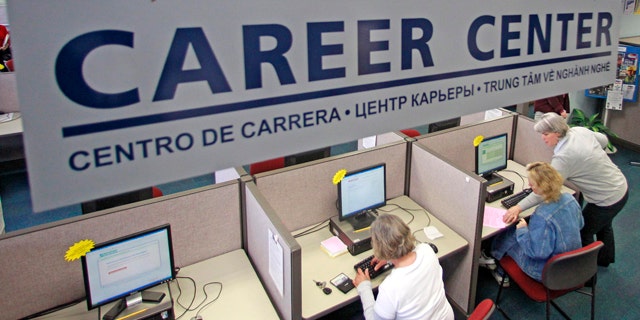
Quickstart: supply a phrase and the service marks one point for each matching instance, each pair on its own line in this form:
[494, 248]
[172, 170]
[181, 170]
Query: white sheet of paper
[276, 262]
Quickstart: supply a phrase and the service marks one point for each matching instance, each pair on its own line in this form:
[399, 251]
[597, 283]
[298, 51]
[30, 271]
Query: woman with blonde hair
[414, 289]
[553, 228]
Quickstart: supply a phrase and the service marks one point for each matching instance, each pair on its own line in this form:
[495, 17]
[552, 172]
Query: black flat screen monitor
[360, 192]
[444, 124]
[491, 157]
[122, 268]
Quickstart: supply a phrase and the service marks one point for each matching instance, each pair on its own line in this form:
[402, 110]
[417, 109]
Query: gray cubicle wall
[261, 222]
[8, 93]
[529, 146]
[304, 195]
[457, 145]
[455, 197]
[205, 222]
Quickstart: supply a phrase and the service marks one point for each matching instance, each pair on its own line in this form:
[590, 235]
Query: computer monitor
[359, 193]
[444, 124]
[307, 156]
[122, 268]
[491, 157]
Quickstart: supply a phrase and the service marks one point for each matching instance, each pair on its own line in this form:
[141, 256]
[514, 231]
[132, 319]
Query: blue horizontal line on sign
[84, 129]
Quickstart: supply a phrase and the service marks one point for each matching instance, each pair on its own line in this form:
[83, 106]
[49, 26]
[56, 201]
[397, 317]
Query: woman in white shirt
[414, 289]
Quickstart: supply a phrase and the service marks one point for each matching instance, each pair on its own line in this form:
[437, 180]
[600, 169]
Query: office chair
[156, 192]
[483, 310]
[563, 273]
[267, 165]
[410, 132]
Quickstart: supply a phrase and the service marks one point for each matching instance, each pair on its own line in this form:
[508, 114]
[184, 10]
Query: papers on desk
[6, 117]
[493, 217]
[333, 246]
[432, 232]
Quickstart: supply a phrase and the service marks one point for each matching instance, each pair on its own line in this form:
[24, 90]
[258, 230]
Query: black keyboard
[514, 199]
[366, 264]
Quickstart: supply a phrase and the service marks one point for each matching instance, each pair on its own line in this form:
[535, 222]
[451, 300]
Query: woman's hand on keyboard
[361, 276]
[377, 263]
[512, 214]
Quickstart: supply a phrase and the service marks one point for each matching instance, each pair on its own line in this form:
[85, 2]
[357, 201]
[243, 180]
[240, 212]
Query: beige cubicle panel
[455, 197]
[263, 232]
[304, 194]
[529, 146]
[205, 222]
[457, 145]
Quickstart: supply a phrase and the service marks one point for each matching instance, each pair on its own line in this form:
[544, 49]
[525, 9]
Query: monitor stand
[132, 300]
[362, 220]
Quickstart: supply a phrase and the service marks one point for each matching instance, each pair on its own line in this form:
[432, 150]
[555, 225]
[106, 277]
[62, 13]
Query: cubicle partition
[205, 222]
[529, 146]
[457, 145]
[455, 197]
[267, 241]
[304, 194]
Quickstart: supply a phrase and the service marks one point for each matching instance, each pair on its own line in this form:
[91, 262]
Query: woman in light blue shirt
[553, 228]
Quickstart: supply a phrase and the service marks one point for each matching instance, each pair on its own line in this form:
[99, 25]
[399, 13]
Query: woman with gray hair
[414, 289]
[579, 157]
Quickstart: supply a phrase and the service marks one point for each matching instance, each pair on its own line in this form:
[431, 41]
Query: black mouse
[433, 246]
[326, 290]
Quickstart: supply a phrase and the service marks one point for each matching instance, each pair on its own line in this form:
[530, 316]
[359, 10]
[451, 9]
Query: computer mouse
[326, 290]
[434, 247]
[198, 317]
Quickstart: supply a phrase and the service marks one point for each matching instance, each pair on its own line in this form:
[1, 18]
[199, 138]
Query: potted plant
[593, 123]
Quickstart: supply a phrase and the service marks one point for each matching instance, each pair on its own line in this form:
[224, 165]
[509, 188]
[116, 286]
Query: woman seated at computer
[553, 228]
[414, 288]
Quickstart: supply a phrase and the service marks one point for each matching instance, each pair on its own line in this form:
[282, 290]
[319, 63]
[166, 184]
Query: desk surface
[242, 296]
[318, 265]
[517, 173]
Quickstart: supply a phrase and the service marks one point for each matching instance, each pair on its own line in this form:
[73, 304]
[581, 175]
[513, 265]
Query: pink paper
[493, 217]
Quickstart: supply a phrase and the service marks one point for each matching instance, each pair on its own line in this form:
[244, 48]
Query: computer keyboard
[366, 264]
[514, 199]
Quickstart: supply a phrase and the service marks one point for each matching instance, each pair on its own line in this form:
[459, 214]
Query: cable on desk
[188, 308]
[206, 296]
[312, 229]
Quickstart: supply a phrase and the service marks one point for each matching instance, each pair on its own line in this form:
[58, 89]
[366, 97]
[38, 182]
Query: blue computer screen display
[362, 190]
[117, 268]
[491, 155]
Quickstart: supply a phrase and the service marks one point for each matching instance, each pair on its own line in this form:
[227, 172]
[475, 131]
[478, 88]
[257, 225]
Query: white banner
[119, 95]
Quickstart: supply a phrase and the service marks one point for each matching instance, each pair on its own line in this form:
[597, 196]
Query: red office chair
[156, 192]
[267, 165]
[563, 273]
[411, 132]
[483, 310]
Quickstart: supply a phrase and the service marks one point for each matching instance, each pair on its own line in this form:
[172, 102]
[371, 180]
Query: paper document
[432, 232]
[493, 217]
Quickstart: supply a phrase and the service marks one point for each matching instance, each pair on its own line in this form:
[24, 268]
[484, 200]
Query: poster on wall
[626, 76]
[120, 95]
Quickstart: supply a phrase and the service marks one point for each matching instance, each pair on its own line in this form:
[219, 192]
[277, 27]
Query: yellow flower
[477, 140]
[79, 249]
[339, 175]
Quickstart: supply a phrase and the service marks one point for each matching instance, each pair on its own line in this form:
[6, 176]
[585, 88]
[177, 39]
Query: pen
[363, 229]
[133, 314]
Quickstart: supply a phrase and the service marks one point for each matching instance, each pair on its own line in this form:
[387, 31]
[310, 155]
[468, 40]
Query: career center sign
[120, 95]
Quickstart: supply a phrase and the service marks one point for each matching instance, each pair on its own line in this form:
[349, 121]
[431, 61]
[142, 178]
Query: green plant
[593, 123]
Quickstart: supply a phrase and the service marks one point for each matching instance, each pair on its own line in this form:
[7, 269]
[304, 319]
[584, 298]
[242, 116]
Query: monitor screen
[362, 190]
[114, 269]
[491, 155]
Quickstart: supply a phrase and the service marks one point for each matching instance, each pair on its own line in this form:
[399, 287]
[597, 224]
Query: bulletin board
[626, 73]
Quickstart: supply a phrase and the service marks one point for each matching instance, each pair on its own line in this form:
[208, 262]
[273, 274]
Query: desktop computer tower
[499, 190]
[356, 241]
